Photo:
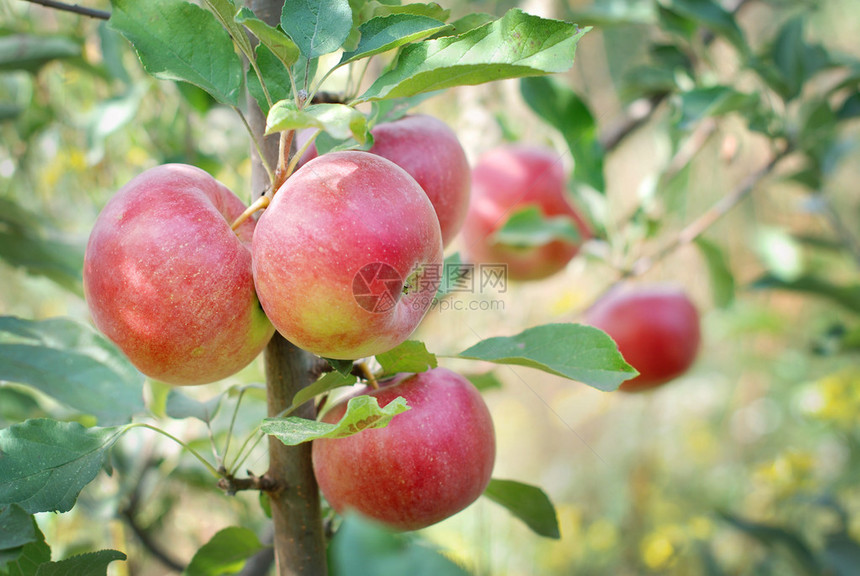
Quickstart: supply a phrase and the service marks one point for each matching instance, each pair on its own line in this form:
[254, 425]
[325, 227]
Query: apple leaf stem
[212, 470]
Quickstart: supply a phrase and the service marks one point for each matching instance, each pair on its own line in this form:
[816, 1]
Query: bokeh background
[742, 466]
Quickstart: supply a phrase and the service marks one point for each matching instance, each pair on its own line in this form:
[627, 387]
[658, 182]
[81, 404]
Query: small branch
[262, 483]
[74, 8]
[147, 542]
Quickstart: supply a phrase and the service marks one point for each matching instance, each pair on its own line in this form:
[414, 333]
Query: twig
[698, 226]
[83, 11]
[232, 485]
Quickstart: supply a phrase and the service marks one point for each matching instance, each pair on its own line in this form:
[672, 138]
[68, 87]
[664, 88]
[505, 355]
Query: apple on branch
[169, 282]
[505, 182]
[346, 256]
[656, 329]
[429, 463]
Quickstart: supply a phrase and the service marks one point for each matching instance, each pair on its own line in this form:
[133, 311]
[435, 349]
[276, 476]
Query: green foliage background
[747, 465]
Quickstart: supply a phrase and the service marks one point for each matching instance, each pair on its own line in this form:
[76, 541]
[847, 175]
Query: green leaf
[91, 564]
[514, 46]
[562, 109]
[581, 353]
[794, 60]
[395, 108]
[72, 363]
[454, 271]
[275, 76]
[847, 296]
[176, 40]
[722, 280]
[841, 553]
[362, 412]
[339, 120]
[342, 366]
[46, 463]
[25, 244]
[30, 52]
[276, 41]
[428, 10]
[328, 382]
[528, 503]
[529, 227]
[16, 528]
[712, 16]
[385, 33]
[465, 24]
[485, 380]
[700, 103]
[362, 548]
[410, 356]
[181, 406]
[317, 26]
[225, 553]
[24, 560]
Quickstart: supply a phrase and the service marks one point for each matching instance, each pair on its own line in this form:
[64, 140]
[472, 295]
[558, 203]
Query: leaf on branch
[712, 16]
[410, 356]
[325, 384]
[847, 296]
[275, 76]
[317, 27]
[362, 412]
[528, 503]
[72, 363]
[428, 10]
[514, 46]
[528, 227]
[46, 463]
[91, 564]
[276, 41]
[561, 108]
[176, 40]
[339, 120]
[464, 24]
[30, 52]
[573, 351]
[385, 33]
[225, 553]
[722, 280]
[22, 544]
[700, 103]
[181, 406]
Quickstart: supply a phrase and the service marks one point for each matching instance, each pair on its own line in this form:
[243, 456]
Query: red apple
[656, 329]
[429, 462]
[504, 181]
[339, 254]
[429, 150]
[170, 283]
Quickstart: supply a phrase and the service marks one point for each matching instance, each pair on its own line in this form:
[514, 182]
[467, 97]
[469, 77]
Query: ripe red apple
[504, 181]
[430, 152]
[656, 329]
[170, 283]
[338, 256]
[429, 463]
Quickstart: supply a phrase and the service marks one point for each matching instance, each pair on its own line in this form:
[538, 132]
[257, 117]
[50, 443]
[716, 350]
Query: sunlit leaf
[177, 40]
[362, 412]
[528, 227]
[276, 41]
[410, 356]
[573, 351]
[339, 120]
[317, 26]
[325, 384]
[225, 553]
[528, 503]
[514, 46]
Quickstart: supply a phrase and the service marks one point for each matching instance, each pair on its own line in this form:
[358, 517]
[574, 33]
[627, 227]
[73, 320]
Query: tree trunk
[298, 540]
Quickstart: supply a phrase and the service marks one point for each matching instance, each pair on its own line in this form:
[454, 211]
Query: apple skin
[336, 215]
[169, 282]
[429, 463]
[429, 150]
[507, 179]
[656, 329]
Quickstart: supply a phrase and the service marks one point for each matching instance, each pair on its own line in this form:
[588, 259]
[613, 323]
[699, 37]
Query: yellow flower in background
[657, 551]
[839, 398]
[787, 474]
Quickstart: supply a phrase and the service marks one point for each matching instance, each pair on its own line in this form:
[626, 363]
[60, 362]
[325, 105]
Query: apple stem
[259, 204]
[367, 374]
[285, 147]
